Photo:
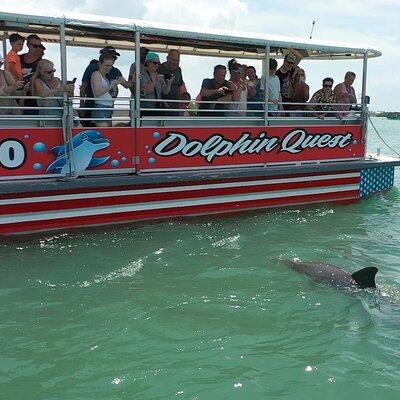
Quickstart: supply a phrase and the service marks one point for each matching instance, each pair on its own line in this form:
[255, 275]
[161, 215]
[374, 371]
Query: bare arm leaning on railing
[11, 86]
[39, 89]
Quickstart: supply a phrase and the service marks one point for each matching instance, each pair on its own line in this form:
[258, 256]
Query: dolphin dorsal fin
[365, 278]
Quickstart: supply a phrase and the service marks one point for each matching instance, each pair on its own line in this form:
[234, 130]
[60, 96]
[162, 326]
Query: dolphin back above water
[335, 276]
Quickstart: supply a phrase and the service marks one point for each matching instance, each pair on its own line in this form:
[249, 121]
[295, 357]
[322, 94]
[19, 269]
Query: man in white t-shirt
[274, 89]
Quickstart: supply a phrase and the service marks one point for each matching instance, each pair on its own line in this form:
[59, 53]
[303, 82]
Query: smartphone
[167, 76]
[27, 78]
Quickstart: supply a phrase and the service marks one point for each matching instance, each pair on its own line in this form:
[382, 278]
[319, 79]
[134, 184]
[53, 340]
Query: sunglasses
[50, 72]
[239, 73]
[35, 46]
[327, 85]
[155, 62]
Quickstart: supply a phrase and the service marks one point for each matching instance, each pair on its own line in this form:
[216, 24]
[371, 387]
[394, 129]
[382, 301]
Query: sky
[366, 22]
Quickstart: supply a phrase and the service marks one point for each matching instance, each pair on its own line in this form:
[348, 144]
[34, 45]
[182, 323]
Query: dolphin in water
[335, 276]
[84, 145]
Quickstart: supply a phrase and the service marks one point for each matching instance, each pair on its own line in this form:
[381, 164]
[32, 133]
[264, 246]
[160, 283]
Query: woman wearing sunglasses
[323, 98]
[239, 89]
[46, 85]
[152, 84]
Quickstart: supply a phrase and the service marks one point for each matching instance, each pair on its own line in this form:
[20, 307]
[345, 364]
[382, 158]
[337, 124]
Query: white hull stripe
[95, 195]
[83, 212]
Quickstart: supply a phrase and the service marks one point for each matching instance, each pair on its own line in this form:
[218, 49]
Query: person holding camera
[215, 89]
[85, 90]
[133, 69]
[154, 85]
[171, 68]
[238, 108]
[102, 88]
[48, 86]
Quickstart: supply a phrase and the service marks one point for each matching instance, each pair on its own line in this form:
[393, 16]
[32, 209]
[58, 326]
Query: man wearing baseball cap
[285, 75]
[86, 86]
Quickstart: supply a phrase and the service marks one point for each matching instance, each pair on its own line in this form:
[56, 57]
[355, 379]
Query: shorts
[103, 114]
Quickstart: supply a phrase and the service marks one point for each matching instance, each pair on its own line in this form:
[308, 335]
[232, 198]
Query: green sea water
[204, 308]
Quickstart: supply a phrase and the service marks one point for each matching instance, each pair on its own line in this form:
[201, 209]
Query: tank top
[32, 66]
[345, 97]
[27, 78]
[240, 108]
[106, 98]
[49, 102]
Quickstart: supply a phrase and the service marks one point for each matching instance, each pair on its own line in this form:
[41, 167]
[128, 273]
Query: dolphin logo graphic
[84, 145]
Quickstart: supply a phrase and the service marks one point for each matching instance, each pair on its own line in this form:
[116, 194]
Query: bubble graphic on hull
[39, 147]
[152, 160]
[115, 163]
[37, 166]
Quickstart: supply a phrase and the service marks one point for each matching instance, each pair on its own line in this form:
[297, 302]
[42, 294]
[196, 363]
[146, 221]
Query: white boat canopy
[98, 31]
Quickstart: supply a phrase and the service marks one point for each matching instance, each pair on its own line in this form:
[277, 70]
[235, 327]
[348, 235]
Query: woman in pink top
[301, 92]
[344, 93]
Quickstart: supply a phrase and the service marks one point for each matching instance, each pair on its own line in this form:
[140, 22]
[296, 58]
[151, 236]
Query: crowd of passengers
[162, 87]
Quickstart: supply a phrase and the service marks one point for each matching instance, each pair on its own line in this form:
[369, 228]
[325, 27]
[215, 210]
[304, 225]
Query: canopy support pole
[364, 80]
[4, 45]
[68, 112]
[364, 102]
[137, 79]
[266, 80]
[63, 54]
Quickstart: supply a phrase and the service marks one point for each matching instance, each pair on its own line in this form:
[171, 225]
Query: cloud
[125, 8]
[207, 13]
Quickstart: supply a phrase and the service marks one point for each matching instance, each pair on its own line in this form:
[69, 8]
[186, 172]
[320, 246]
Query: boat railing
[172, 111]
[19, 114]
[57, 126]
[198, 112]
